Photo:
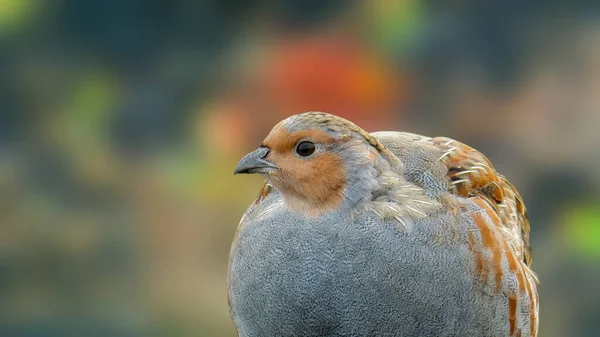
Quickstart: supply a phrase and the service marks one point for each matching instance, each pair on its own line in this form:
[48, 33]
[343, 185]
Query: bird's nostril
[263, 152]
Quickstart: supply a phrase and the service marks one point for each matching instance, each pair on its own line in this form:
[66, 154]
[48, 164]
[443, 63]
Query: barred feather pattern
[503, 229]
[472, 174]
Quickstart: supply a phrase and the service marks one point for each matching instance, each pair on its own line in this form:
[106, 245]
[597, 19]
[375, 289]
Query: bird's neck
[379, 190]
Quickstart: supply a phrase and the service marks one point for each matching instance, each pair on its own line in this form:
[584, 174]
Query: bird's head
[319, 162]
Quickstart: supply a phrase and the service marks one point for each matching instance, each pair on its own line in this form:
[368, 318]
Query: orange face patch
[312, 185]
[281, 139]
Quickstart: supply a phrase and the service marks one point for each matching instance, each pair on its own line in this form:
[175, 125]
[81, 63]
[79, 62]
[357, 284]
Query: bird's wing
[473, 176]
[441, 165]
[503, 211]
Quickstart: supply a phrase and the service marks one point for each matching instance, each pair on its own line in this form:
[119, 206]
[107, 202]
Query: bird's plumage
[382, 234]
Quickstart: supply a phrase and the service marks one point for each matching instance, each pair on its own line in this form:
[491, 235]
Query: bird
[379, 234]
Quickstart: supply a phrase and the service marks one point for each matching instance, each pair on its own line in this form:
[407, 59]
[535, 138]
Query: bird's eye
[305, 148]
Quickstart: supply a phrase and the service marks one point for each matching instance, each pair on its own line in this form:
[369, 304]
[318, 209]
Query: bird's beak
[256, 162]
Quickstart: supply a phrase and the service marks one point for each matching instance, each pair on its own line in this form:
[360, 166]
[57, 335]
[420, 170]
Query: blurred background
[121, 123]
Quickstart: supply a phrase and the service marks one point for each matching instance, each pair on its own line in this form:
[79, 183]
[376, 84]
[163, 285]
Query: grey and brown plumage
[379, 234]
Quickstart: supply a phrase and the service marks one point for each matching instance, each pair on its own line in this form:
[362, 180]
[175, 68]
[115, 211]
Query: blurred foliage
[121, 123]
[15, 14]
[583, 230]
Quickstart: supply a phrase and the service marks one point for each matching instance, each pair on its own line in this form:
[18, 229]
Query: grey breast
[335, 276]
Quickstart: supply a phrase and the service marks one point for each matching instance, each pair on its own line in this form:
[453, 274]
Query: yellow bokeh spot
[16, 13]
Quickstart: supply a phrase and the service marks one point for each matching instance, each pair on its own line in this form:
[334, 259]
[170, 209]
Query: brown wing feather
[473, 175]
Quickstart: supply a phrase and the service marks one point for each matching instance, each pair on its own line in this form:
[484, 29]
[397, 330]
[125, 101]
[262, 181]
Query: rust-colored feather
[504, 229]
[473, 175]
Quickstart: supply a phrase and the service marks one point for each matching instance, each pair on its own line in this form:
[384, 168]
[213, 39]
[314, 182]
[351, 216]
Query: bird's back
[442, 165]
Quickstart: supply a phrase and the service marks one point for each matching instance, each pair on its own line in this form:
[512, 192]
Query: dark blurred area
[121, 123]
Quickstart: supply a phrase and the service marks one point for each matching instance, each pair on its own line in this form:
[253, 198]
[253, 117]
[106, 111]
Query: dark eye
[305, 149]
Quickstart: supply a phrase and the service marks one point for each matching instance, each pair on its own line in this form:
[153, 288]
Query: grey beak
[255, 162]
